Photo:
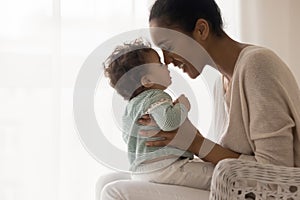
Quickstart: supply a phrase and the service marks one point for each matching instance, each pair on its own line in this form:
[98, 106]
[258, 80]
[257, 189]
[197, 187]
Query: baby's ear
[146, 81]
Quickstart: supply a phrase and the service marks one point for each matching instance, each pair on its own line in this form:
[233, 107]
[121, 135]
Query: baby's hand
[183, 100]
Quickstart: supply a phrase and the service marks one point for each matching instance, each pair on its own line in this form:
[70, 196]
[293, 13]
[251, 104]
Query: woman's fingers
[158, 143]
[149, 133]
[146, 120]
[158, 133]
[165, 138]
[181, 138]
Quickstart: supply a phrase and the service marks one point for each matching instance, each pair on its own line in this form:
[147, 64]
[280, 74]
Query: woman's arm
[269, 93]
[217, 153]
[187, 137]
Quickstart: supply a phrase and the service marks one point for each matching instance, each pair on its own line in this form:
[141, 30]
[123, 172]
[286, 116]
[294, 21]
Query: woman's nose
[167, 57]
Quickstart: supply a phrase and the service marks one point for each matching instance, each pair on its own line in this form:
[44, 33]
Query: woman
[262, 97]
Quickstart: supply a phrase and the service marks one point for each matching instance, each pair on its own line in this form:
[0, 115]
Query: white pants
[190, 173]
[118, 186]
[141, 190]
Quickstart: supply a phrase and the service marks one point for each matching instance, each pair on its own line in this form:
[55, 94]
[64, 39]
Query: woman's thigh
[137, 190]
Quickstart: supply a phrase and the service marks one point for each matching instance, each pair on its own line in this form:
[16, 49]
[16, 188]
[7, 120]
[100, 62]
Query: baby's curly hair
[123, 59]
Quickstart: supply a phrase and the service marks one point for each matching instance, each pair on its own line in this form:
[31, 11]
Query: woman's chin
[192, 75]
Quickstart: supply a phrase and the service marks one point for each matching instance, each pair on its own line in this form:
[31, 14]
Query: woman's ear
[201, 30]
[146, 81]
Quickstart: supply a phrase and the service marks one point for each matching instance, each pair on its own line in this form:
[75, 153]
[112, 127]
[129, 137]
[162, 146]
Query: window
[43, 45]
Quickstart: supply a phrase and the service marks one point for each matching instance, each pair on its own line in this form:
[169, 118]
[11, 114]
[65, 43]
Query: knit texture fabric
[264, 109]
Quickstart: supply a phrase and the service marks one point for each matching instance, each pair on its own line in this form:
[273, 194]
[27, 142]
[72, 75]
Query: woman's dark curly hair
[121, 67]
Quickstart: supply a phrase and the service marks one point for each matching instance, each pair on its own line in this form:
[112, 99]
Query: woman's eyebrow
[161, 42]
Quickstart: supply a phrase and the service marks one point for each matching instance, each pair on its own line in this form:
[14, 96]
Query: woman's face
[179, 49]
[181, 63]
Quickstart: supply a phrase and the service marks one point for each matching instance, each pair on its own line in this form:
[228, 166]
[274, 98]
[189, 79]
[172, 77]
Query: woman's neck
[225, 52]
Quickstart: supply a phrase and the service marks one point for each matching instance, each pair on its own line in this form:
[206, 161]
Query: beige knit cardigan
[264, 109]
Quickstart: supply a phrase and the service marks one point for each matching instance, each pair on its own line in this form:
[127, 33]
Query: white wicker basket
[235, 179]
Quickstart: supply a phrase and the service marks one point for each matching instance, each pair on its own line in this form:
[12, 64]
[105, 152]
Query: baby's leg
[190, 173]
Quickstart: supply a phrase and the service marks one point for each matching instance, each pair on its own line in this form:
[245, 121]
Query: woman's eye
[166, 47]
[169, 48]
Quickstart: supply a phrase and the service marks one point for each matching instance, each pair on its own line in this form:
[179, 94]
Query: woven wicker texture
[237, 179]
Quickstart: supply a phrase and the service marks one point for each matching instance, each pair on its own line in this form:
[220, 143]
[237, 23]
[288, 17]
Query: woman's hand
[186, 137]
[146, 120]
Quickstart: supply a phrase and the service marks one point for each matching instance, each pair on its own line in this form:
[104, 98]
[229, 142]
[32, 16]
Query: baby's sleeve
[167, 116]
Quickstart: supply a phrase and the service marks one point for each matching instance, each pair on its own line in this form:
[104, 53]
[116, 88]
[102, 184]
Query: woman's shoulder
[257, 59]
[254, 53]
[260, 67]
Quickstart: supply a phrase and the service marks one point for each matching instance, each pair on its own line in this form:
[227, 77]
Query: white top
[220, 114]
[263, 103]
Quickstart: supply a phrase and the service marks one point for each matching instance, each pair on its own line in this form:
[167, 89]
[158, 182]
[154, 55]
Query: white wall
[274, 24]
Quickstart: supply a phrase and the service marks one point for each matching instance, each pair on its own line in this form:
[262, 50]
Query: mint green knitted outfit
[159, 105]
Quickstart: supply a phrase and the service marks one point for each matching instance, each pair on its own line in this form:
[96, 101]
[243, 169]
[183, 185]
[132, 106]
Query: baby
[137, 74]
